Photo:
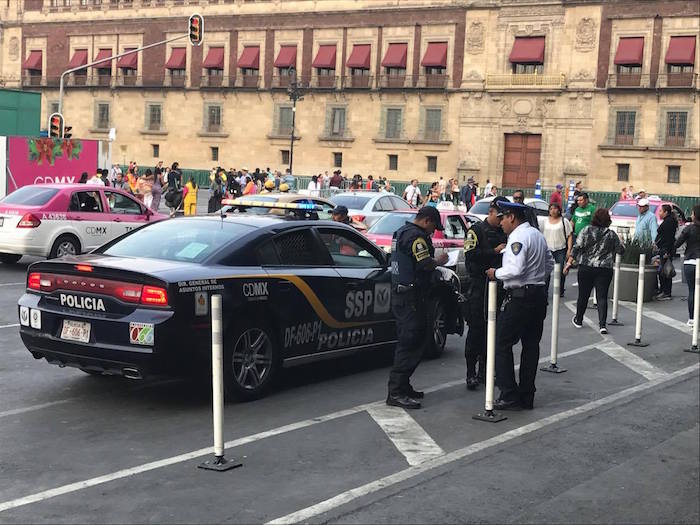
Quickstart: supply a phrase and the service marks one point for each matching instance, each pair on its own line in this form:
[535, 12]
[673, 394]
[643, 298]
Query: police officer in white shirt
[526, 264]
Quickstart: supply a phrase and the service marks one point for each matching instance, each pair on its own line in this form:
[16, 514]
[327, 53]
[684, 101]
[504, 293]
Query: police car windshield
[626, 209]
[480, 208]
[30, 196]
[351, 202]
[178, 240]
[391, 222]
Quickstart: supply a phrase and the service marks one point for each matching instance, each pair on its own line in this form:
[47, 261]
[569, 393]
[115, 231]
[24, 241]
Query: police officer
[526, 264]
[412, 263]
[483, 245]
[530, 215]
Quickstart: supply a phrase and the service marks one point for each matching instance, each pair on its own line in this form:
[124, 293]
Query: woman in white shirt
[557, 232]
[314, 186]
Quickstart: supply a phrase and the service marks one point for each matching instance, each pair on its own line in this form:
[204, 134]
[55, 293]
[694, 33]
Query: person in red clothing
[556, 197]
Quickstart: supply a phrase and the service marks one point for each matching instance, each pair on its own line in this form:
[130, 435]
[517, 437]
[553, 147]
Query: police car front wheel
[251, 363]
[437, 328]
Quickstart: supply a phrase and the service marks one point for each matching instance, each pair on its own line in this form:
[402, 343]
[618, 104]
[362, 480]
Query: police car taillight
[154, 295]
[28, 220]
[130, 293]
[36, 281]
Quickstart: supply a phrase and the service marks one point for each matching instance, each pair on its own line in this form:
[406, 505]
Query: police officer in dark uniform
[412, 263]
[483, 245]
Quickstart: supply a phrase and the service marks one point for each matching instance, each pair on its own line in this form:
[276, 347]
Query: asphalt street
[615, 439]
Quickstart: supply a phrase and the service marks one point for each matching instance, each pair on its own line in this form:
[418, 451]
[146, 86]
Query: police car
[294, 291]
[53, 220]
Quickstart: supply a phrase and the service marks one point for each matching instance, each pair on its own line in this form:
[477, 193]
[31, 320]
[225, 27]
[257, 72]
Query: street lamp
[294, 93]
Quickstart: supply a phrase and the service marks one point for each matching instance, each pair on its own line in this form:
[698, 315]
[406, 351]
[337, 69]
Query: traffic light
[66, 132]
[56, 126]
[196, 32]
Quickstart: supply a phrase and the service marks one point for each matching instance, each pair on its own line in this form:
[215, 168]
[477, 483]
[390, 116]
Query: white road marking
[9, 325]
[406, 434]
[80, 485]
[12, 284]
[15, 411]
[663, 319]
[411, 472]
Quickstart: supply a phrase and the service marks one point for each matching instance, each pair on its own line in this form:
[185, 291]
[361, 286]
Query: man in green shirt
[582, 214]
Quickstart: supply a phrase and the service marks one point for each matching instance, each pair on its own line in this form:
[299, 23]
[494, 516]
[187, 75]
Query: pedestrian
[441, 188]
[157, 188]
[83, 178]
[250, 188]
[145, 186]
[559, 236]
[488, 188]
[582, 214]
[623, 193]
[594, 252]
[173, 197]
[665, 244]
[530, 215]
[455, 192]
[483, 247]
[646, 226]
[105, 177]
[526, 265]
[336, 180]
[216, 192]
[630, 192]
[190, 199]
[556, 197]
[120, 183]
[690, 236]
[314, 187]
[642, 194]
[412, 193]
[412, 264]
[96, 179]
[433, 200]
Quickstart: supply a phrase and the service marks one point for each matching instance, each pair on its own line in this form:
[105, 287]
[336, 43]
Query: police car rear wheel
[251, 364]
[437, 331]
[9, 258]
[65, 245]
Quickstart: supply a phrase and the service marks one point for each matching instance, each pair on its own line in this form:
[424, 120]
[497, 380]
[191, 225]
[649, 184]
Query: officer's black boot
[402, 401]
[482, 370]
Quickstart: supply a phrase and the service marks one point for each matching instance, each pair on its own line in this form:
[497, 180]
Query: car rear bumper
[23, 242]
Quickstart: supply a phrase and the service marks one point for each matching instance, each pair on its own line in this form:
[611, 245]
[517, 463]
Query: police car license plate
[75, 331]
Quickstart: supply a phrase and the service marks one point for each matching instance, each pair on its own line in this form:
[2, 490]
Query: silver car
[369, 206]
[481, 208]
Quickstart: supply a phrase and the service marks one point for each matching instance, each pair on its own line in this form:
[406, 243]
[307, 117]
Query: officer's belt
[528, 290]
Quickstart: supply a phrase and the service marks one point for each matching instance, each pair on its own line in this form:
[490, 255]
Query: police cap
[431, 213]
[340, 210]
[496, 204]
[514, 208]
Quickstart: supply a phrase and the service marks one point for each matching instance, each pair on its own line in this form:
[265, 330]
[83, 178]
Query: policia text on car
[412, 264]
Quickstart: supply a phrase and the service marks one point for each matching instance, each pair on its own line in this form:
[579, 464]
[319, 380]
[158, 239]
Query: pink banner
[42, 160]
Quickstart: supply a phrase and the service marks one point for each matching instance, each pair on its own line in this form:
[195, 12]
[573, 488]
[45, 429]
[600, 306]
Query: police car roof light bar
[241, 203]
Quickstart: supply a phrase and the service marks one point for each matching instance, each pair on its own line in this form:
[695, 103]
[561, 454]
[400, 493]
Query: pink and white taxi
[53, 220]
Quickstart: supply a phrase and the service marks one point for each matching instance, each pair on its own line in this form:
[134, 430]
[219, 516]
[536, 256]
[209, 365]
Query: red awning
[79, 58]
[215, 58]
[250, 58]
[33, 62]
[178, 58]
[630, 51]
[435, 55]
[527, 50]
[681, 51]
[287, 57]
[325, 57]
[359, 58]
[104, 53]
[395, 56]
[129, 61]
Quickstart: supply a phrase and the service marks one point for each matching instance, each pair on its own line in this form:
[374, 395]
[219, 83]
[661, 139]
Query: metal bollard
[696, 310]
[616, 291]
[219, 462]
[640, 304]
[488, 414]
[555, 324]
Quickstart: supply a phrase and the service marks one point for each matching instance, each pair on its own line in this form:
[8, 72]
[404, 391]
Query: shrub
[633, 249]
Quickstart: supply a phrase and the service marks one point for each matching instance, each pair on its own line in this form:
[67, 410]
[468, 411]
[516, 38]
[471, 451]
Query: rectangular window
[528, 69]
[337, 160]
[213, 118]
[432, 164]
[53, 107]
[433, 124]
[393, 162]
[624, 127]
[214, 153]
[337, 121]
[284, 123]
[393, 123]
[156, 150]
[674, 174]
[155, 115]
[102, 117]
[285, 156]
[676, 123]
[623, 172]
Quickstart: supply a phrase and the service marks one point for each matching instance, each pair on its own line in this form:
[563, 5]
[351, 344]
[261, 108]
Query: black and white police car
[294, 292]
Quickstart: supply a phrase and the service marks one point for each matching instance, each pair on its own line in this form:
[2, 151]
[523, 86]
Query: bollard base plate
[220, 464]
[489, 416]
[553, 368]
[615, 322]
[638, 342]
[693, 350]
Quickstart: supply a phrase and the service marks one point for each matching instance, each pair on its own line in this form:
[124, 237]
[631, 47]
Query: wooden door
[521, 162]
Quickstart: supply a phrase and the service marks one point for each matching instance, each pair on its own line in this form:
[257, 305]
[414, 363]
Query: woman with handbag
[690, 236]
[665, 239]
[558, 233]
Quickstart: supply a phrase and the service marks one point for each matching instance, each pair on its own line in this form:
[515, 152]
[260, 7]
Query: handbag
[668, 271]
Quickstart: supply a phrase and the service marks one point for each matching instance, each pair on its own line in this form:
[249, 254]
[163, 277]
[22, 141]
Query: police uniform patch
[516, 247]
[420, 249]
[470, 241]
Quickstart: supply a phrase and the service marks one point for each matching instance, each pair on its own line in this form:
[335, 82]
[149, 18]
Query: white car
[541, 207]
[369, 206]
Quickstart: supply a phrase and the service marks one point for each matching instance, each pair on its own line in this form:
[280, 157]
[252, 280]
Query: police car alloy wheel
[437, 332]
[250, 364]
[65, 245]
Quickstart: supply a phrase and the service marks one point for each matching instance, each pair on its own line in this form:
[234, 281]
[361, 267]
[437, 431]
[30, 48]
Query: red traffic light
[56, 125]
[196, 30]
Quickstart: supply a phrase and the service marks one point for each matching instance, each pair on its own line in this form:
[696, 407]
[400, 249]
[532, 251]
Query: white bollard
[555, 324]
[616, 290]
[696, 309]
[640, 304]
[219, 463]
[488, 414]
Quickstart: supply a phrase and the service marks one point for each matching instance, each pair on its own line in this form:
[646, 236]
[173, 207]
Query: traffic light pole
[109, 59]
[294, 94]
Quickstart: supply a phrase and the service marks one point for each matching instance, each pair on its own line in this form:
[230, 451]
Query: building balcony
[677, 80]
[175, 81]
[527, 80]
[357, 82]
[33, 81]
[213, 81]
[628, 81]
[283, 81]
[245, 81]
[433, 81]
[325, 82]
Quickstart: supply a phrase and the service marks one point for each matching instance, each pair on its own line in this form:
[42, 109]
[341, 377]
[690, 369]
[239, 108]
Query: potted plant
[629, 271]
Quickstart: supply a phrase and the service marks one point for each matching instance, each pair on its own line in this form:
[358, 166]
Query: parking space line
[12, 284]
[16, 411]
[663, 319]
[330, 504]
[9, 325]
[406, 434]
[631, 360]
[139, 469]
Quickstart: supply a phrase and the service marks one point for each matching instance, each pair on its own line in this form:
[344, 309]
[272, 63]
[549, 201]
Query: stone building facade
[510, 90]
